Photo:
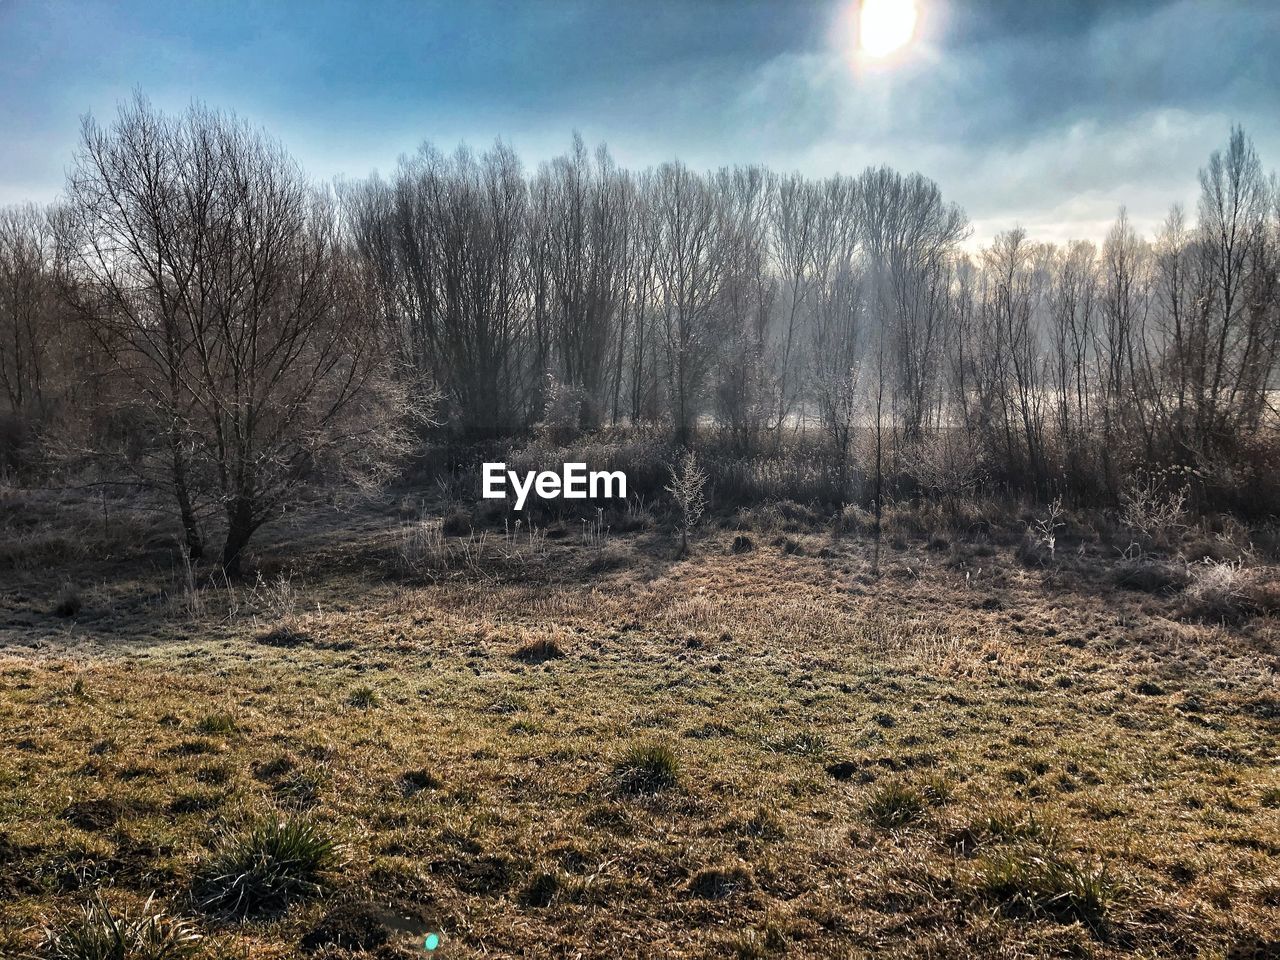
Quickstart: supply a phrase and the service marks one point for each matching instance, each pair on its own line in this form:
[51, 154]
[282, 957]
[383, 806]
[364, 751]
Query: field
[577, 743]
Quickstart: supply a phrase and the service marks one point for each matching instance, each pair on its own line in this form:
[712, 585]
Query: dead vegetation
[764, 752]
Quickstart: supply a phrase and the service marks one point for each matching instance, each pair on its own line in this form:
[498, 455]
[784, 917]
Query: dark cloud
[1022, 109]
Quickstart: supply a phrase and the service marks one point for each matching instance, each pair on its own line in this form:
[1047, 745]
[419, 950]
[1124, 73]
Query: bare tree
[688, 491]
[670, 295]
[448, 246]
[1124, 288]
[797, 208]
[587, 231]
[27, 304]
[743, 379]
[837, 328]
[693, 265]
[1235, 335]
[1017, 274]
[910, 236]
[643, 350]
[217, 279]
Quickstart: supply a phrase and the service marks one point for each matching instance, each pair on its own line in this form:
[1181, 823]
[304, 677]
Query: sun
[885, 26]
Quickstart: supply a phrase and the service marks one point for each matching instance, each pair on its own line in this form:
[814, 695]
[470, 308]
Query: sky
[1045, 114]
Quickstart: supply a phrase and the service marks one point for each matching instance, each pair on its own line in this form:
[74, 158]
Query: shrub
[100, 933]
[853, 520]
[1154, 511]
[895, 805]
[1219, 592]
[456, 522]
[264, 869]
[688, 492]
[647, 768]
[1039, 543]
[779, 515]
[563, 413]
[69, 602]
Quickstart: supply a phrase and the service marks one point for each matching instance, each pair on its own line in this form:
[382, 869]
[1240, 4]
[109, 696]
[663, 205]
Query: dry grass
[734, 754]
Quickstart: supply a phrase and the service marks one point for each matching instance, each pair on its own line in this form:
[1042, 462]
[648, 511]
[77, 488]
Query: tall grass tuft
[647, 768]
[896, 805]
[267, 867]
[100, 933]
[1043, 885]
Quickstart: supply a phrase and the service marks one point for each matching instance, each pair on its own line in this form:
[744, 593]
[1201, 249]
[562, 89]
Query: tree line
[196, 308]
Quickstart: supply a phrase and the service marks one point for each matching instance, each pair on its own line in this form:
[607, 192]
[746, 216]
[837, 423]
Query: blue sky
[1048, 114]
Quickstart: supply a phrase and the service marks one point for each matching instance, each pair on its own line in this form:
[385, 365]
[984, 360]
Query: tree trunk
[240, 528]
[191, 529]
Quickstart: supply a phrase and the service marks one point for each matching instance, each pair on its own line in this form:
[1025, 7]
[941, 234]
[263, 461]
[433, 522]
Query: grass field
[577, 744]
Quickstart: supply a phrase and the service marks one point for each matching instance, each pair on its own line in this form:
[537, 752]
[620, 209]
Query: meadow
[571, 739]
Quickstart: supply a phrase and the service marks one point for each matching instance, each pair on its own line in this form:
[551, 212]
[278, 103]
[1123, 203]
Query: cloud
[1053, 125]
[1050, 114]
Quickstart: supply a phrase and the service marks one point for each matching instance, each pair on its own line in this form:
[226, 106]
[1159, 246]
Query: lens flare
[885, 26]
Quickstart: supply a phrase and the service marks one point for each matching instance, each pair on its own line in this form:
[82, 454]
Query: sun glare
[885, 26]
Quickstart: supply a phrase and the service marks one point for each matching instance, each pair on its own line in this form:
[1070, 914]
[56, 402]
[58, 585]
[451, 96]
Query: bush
[456, 522]
[688, 492]
[563, 414]
[1219, 592]
[69, 602]
[779, 515]
[102, 934]
[1153, 508]
[265, 868]
[647, 768]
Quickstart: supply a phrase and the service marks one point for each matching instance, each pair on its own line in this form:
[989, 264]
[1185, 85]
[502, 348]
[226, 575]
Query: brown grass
[966, 757]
